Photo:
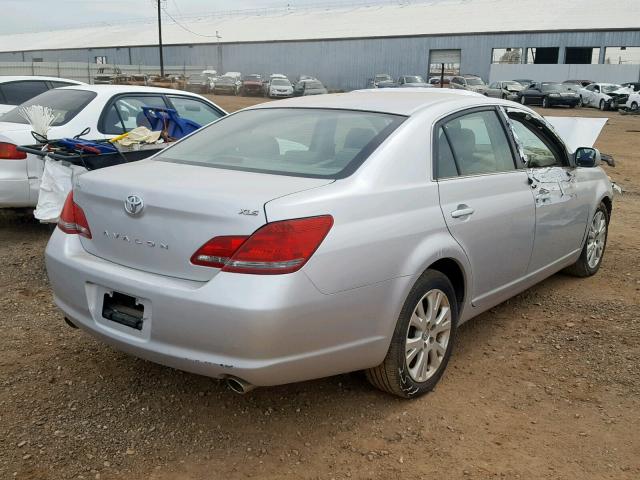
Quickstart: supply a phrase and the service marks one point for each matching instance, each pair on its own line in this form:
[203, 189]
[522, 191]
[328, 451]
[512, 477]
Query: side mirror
[587, 157]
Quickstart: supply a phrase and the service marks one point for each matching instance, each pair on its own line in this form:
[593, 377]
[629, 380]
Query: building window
[542, 55]
[447, 59]
[506, 55]
[582, 55]
[622, 55]
[101, 60]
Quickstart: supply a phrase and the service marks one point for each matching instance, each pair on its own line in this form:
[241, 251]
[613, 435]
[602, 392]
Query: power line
[188, 29]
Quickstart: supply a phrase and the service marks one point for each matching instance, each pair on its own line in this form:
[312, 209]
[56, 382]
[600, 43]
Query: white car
[633, 102]
[107, 110]
[279, 88]
[604, 96]
[15, 90]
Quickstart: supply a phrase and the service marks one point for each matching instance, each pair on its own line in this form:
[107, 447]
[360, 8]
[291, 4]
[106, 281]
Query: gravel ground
[546, 385]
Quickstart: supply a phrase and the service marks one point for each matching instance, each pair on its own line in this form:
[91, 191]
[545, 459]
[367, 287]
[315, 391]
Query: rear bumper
[267, 330]
[564, 101]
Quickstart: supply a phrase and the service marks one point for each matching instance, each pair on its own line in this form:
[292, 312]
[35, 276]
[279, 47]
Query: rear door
[485, 199]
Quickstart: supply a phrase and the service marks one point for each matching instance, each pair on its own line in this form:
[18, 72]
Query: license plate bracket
[123, 309]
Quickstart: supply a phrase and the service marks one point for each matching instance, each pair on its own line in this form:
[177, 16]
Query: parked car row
[570, 93]
[275, 85]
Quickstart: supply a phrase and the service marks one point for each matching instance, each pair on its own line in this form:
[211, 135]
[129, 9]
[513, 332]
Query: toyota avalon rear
[200, 258]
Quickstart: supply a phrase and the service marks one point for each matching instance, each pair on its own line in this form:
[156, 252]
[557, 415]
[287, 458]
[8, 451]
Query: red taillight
[275, 248]
[217, 251]
[9, 151]
[72, 219]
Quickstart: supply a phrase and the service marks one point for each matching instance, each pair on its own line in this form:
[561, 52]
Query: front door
[561, 213]
[485, 199]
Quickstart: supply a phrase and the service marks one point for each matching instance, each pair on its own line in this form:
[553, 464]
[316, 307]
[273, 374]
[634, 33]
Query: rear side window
[478, 144]
[56, 84]
[446, 164]
[195, 110]
[126, 113]
[314, 143]
[16, 93]
[66, 104]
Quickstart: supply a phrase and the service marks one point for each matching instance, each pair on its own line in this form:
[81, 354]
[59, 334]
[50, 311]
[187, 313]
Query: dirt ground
[544, 386]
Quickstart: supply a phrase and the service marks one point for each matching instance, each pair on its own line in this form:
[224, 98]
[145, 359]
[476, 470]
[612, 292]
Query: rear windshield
[553, 87]
[65, 103]
[314, 143]
[414, 79]
[474, 81]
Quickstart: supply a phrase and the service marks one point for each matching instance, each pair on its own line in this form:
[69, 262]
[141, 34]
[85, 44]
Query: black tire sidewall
[430, 280]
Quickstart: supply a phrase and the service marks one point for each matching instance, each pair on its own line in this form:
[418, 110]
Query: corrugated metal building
[345, 46]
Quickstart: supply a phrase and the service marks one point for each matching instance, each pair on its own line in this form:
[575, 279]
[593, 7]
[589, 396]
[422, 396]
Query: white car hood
[577, 131]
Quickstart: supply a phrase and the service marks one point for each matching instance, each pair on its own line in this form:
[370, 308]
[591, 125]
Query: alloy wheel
[596, 239]
[428, 335]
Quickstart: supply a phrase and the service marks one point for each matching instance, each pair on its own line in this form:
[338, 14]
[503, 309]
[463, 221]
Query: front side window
[538, 151]
[195, 110]
[478, 143]
[16, 93]
[65, 104]
[314, 143]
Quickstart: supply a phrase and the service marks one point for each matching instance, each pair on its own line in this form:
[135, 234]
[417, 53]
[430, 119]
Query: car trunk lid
[184, 206]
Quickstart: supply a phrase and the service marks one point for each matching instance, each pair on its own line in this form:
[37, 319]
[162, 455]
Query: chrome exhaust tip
[238, 385]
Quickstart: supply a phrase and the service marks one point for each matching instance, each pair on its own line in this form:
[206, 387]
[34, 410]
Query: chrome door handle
[462, 211]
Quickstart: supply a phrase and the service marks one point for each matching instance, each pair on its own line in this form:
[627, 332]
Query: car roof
[115, 89]
[394, 101]
[14, 78]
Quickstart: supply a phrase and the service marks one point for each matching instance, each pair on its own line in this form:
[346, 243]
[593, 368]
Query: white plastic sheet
[578, 131]
[55, 185]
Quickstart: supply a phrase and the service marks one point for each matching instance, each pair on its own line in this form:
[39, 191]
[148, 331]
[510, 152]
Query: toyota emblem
[134, 205]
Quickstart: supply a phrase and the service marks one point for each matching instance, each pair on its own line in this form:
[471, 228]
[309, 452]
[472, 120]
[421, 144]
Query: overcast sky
[39, 15]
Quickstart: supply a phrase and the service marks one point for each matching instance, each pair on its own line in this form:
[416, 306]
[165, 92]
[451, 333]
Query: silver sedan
[328, 234]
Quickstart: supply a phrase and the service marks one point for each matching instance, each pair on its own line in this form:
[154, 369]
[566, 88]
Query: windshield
[281, 82]
[252, 78]
[383, 78]
[313, 143]
[227, 80]
[512, 84]
[66, 104]
[313, 85]
[553, 87]
[474, 81]
[609, 87]
[414, 79]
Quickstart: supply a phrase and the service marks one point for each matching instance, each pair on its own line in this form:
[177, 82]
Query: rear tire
[634, 106]
[603, 105]
[422, 340]
[545, 102]
[594, 246]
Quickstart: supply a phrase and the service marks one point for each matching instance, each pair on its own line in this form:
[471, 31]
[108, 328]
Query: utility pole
[160, 40]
